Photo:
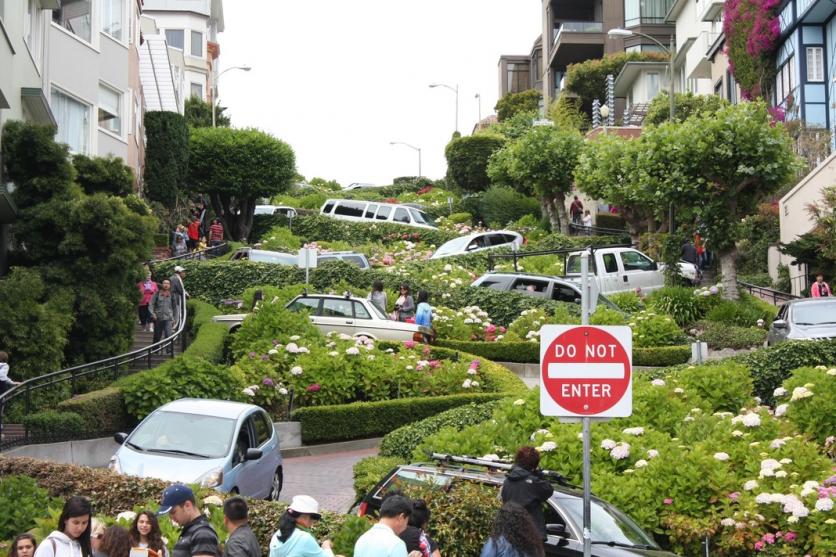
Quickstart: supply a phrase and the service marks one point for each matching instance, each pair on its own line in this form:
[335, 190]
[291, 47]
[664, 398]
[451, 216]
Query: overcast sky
[339, 79]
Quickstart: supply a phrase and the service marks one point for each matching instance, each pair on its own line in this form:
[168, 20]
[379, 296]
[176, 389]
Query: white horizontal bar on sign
[586, 371]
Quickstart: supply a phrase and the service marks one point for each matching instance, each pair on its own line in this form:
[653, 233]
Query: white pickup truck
[623, 270]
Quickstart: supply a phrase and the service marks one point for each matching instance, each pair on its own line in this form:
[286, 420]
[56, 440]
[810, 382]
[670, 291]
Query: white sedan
[479, 241]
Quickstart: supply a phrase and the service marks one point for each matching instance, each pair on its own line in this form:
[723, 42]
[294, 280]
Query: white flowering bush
[527, 326]
[808, 398]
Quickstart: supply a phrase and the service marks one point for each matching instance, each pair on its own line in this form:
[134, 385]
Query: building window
[197, 44]
[32, 29]
[518, 77]
[718, 88]
[75, 17]
[652, 85]
[644, 12]
[73, 118]
[174, 38]
[197, 90]
[785, 82]
[110, 109]
[113, 18]
[137, 117]
[815, 63]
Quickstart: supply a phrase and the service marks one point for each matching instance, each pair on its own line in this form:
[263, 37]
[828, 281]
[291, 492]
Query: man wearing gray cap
[197, 537]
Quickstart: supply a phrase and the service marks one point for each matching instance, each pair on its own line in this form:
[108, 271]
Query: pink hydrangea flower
[409, 344]
[667, 501]
[790, 536]
[314, 388]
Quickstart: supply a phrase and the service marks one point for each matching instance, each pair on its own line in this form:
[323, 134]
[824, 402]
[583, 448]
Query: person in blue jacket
[513, 534]
[294, 539]
[424, 311]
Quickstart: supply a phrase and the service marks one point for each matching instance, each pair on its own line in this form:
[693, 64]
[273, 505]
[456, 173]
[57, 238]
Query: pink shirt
[820, 288]
[147, 288]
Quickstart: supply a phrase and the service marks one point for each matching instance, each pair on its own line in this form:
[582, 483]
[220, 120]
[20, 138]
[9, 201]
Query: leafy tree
[588, 80]
[198, 114]
[166, 156]
[500, 205]
[685, 105]
[323, 184]
[236, 167]
[515, 126]
[541, 162]
[103, 174]
[467, 160]
[566, 112]
[514, 103]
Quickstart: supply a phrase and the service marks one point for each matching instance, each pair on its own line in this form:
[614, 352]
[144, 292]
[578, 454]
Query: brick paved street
[327, 478]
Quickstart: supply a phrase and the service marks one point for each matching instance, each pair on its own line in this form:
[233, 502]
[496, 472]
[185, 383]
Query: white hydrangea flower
[737, 433]
[750, 485]
[763, 499]
[474, 383]
[721, 456]
[352, 351]
[780, 391]
[781, 409]
[295, 338]
[777, 443]
[800, 392]
[608, 444]
[491, 456]
[467, 383]
[793, 505]
[781, 474]
[126, 515]
[652, 453]
[793, 520]
[658, 383]
[770, 464]
[292, 347]
[519, 402]
[213, 500]
[727, 522]
[785, 461]
[296, 370]
[641, 463]
[751, 420]
[679, 390]
[248, 391]
[824, 504]
[634, 431]
[333, 353]
[272, 351]
[282, 391]
[620, 451]
[547, 447]
[344, 336]
[544, 432]
[831, 371]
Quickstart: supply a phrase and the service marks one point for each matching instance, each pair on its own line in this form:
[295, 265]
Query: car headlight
[212, 478]
[114, 465]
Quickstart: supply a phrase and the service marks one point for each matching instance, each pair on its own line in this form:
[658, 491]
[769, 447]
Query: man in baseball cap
[197, 538]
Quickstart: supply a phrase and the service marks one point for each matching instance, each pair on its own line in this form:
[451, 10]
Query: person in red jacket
[820, 289]
[194, 233]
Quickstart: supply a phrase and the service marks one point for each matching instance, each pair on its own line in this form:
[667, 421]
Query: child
[5, 382]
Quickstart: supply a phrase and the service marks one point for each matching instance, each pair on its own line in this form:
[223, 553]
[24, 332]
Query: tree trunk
[728, 267]
[554, 219]
[560, 203]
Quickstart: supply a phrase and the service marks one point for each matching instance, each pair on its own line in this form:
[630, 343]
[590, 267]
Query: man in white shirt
[382, 539]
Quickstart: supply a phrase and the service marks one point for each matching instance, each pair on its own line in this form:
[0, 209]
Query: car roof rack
[447, 458]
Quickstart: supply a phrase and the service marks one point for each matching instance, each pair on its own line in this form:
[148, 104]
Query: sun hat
[179, 269]
[305, 504]
[175, 494]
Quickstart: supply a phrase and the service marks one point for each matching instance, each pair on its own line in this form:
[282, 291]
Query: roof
[210, 407]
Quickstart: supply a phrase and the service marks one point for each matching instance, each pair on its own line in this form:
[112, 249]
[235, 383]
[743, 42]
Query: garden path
[327, 478]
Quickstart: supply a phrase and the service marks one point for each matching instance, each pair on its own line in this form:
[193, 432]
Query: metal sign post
[586, 425]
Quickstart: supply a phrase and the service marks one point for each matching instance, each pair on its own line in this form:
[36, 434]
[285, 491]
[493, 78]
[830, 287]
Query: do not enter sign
[586, 371]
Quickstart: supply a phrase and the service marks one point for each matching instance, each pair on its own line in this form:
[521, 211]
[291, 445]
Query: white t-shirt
[379, 541]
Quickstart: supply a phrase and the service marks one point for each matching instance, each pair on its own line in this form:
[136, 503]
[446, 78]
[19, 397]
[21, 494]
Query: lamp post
[671, 52]
[479, 107]
[413, 147]
[454, 90]
[215, 87]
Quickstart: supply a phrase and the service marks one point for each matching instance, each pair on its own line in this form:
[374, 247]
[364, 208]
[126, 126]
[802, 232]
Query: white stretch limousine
[372, 211]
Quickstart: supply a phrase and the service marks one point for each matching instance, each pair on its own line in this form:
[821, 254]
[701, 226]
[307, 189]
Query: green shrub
[771, 366]
[102, 410]
[651, 329]
[628, 302]
[459, 218]
[527, 326]
[351, 530]
[21, 502]
[269, 292]
[317, 228]
[679, 302]
[726, 386]
[402, 442]
[496, 378]
[370, 470]
[661, 356]
[183, 377]
[758, 279]
[368, 419]
[744, 313]
[67, 425]
[720, 335]
[810, 399]
[501, 205]
[606, 316]
[521, 352]
[280, 238]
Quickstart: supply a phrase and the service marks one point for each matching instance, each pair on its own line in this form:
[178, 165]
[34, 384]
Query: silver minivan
[373, 211]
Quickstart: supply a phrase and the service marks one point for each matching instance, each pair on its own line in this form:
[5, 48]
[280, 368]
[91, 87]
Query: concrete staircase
[141, 340]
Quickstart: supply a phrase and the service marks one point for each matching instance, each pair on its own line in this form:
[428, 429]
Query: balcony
[697, 62]
[576, 41]
[711, 9]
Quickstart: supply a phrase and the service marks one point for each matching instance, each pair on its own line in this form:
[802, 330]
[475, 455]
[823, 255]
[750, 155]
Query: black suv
[614, 534]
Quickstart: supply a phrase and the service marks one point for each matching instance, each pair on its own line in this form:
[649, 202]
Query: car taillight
[361, 510]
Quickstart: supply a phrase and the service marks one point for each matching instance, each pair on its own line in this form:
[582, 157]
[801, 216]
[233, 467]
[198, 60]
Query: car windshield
[573, 265]
[608, 523]
[820, 312]
[263, 210]
[273, 257]
[421, 217]
[188, 434]
[454, 245]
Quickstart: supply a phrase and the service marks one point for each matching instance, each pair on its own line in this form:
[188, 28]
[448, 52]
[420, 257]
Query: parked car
[228, 446]
[372, 211]
[810, 318]
[266, 256]
[347, 315]
[617, 269]
[479, 241]
[360, 186]
[541, 286]
[614, 534]
[289, 212]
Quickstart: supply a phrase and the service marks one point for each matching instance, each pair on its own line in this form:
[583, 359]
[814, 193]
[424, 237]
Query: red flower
[314, 388]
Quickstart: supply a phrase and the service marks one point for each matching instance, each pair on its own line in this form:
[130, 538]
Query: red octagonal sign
[586, 371]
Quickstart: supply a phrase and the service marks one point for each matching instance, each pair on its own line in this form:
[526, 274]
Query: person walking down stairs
[162, 308]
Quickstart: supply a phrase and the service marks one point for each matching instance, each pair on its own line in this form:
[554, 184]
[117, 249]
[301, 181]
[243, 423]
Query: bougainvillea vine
[752, 29]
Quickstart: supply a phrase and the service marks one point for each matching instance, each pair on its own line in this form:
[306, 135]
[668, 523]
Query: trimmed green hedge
[368, 419]
[722, 335]
[54, 423]
[529, 352]
[102, 410]
[370, 470]
[326, 229]
[771, 366]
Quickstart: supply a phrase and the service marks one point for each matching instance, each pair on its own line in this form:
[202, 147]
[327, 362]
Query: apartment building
[518, 73]
[191, 27]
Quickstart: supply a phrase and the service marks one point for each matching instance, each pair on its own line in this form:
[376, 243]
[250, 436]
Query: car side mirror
[558, 530]
[253, 454]
[120, 438]
[654, 266]
[779, 324]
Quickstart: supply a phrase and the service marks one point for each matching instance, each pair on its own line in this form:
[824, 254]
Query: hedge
[341, 422]
[370, 470]
[722, 335]
[402, 442]
[53, 423]
[112, 493]
[102, 410]
[529, 352]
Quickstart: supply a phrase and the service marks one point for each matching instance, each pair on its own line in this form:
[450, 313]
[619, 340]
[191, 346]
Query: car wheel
[276, 487]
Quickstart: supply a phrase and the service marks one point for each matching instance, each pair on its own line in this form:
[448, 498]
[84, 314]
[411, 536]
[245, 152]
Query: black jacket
[530, 490]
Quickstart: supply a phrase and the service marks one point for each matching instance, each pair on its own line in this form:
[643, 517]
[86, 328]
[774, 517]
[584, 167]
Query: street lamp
[478, 98]
[456, 91]
[413, 147]
[671, 52]
[215, 87]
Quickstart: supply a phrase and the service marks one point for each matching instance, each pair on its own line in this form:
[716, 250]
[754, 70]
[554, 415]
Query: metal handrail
[581, 230]
[73, 374]
[208, 253]
[766, 293]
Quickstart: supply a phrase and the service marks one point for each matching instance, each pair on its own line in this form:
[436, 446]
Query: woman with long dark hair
[72, 538]
[294, 538]
[116, 542]
[513, 534]
[145, 532]
[23, 546]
